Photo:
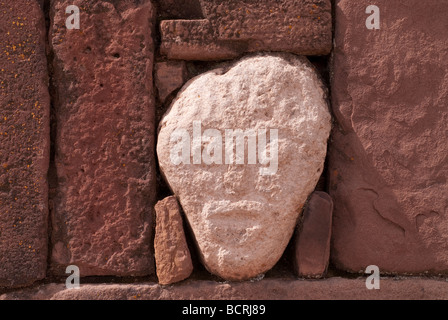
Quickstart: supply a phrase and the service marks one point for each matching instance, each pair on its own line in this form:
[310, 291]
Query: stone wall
[187, 140]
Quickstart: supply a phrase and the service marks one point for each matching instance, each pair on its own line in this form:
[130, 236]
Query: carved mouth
[233, 223]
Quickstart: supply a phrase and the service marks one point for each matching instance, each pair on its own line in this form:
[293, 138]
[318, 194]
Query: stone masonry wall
[117, 156]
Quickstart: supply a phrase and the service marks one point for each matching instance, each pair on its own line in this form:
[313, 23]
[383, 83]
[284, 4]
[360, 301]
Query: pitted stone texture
[195, 40]
[170, 76]
[242, 220]
[173, 260]
[180, 9]
[312, 242]
[25, 143]
[233, 27]
[103, 207]
[388, 157]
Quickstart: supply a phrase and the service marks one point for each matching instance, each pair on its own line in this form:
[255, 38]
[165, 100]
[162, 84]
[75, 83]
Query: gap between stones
[52, 91]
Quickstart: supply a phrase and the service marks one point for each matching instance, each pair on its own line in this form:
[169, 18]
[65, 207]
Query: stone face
[388, 158]
[234, 27]
[243, 213]
[105, 191]
[312, 242]
[173, 260]
[25, 143]
[170, 76]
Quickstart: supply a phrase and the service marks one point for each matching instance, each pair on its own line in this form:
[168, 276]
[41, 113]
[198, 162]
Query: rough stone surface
[234, 27]
[25, 143]
[242, 215]
[195, 40]
[312, 242]
[388, 158]
[173, 260]
[105, 168]
[180, 9]
[266, 289]
[170, 76]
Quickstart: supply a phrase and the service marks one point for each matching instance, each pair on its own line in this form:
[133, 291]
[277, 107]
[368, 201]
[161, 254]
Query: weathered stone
[243, 214]
[267, 289]
[25, 143]
[180, 9]
[173, 260]
[312, 242]
[103, 208]
[234, 27]
[170, 76]
[195, 40]
[388, 158]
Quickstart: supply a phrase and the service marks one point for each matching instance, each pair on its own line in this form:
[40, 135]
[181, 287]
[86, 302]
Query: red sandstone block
[388, 156]
[25, 143]
[103, 207]
[194, 40]
[233, 27]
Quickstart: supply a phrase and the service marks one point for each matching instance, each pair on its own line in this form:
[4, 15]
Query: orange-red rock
[25, 143]
[312, 240]
[173, 260]
[103, 207]
[388, 156]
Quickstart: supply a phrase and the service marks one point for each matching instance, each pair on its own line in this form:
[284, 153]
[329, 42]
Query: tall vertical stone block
[25, 143]
[104, 156]
[388, 157]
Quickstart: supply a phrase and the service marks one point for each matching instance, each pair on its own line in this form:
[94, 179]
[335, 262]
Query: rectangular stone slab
[289, 25]
[104, 157]
[282, 288]
[195, 40]
[388, 156]
[25, 143]
[238, 26]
